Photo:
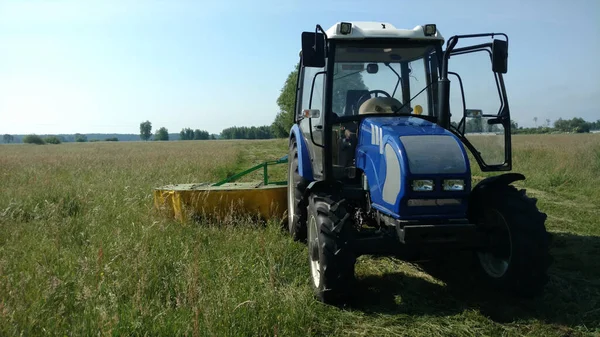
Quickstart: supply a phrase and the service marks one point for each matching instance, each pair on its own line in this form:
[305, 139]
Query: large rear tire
[517, 256]
[331, 259]
[296, 205]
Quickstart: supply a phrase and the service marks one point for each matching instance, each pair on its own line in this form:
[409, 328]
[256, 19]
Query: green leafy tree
[52, 140]
[112, 139]
[33, 139]
[8, 138]
[145, 130]
[186, 134]
[201, 134]
[577, 125]
[285, 118]
[80, 138]
[162, 134]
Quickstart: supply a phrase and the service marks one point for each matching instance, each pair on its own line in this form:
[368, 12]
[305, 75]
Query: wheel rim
[496, 262]
[313, 246]
[291, 196]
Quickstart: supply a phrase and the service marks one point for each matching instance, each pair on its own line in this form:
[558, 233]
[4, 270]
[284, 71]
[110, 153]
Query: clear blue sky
[105, 66]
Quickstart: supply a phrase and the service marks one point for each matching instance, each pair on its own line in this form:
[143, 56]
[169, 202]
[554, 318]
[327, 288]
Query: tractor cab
[386, 123]
[357, 70]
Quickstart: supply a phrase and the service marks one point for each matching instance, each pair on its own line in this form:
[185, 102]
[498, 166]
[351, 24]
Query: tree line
[52, 139]
[573, 125]
[245, 132]
[234, 132]
[189, 134]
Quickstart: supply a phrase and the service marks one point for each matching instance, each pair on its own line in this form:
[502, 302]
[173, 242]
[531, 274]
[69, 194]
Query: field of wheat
[83, 252]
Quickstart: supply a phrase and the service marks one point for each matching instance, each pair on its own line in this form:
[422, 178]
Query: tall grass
[82, 252]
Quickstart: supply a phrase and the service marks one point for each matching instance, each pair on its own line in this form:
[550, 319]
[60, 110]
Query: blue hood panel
[391, 155]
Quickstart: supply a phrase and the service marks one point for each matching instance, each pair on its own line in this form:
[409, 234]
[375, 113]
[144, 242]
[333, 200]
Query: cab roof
[366, 30]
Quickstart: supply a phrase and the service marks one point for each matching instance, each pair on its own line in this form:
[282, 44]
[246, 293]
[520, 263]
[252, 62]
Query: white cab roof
[366, 30]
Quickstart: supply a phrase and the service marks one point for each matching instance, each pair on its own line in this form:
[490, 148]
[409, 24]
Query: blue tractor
[380, 152]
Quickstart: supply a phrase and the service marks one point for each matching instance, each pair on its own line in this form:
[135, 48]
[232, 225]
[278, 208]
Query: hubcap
[313, 251]
[496, 259]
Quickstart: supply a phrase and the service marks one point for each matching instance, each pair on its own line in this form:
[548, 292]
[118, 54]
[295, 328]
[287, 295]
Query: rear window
[433, 154]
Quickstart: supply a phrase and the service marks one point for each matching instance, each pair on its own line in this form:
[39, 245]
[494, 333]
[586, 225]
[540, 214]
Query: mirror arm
[317, 29]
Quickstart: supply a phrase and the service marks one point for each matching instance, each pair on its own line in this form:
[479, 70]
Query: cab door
[479, 109]
[310, 114]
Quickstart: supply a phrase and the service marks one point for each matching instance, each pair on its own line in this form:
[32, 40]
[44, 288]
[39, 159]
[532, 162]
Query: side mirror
[313, 50]
[500, 56]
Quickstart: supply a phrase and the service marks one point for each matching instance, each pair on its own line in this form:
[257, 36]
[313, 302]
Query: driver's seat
[379, 105]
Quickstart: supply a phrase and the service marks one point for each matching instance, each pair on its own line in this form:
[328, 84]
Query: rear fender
[304, 163]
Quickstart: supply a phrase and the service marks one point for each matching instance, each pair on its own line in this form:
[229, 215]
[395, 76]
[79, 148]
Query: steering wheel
[371, 92]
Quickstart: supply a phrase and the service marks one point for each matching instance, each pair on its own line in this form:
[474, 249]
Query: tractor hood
[393, 152]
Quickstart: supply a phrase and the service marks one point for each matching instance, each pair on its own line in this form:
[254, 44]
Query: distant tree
[547, 123]
[145, 130]
[162, 134]
[535, 120]
[212, 137]
[514, 125]
[33, 139]
[186, 134]
[52, 140]
[8, 138]
[201, 134]
[112, 139]
[577, 125]
[80, 138]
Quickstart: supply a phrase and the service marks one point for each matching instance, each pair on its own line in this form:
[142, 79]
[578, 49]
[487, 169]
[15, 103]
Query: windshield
[398, 72]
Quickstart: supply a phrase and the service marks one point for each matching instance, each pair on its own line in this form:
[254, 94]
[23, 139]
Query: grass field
[82, 252]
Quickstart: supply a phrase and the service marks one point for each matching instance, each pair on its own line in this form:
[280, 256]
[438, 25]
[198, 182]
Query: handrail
[264, 166]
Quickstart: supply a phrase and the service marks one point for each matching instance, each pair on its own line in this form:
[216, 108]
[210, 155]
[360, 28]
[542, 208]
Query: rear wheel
[517, 256]
[296, 186]
[330, 257]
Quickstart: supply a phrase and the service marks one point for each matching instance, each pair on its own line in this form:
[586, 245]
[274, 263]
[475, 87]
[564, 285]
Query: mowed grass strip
[83, 252]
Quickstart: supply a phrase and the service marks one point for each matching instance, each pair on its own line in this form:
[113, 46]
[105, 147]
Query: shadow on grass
[571, 298]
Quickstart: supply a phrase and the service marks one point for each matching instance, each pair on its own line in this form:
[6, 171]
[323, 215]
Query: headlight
[454, 185]
[422, 185]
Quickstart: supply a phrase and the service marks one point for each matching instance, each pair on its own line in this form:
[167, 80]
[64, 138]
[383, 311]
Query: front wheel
[331, 259]
[516, 257]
